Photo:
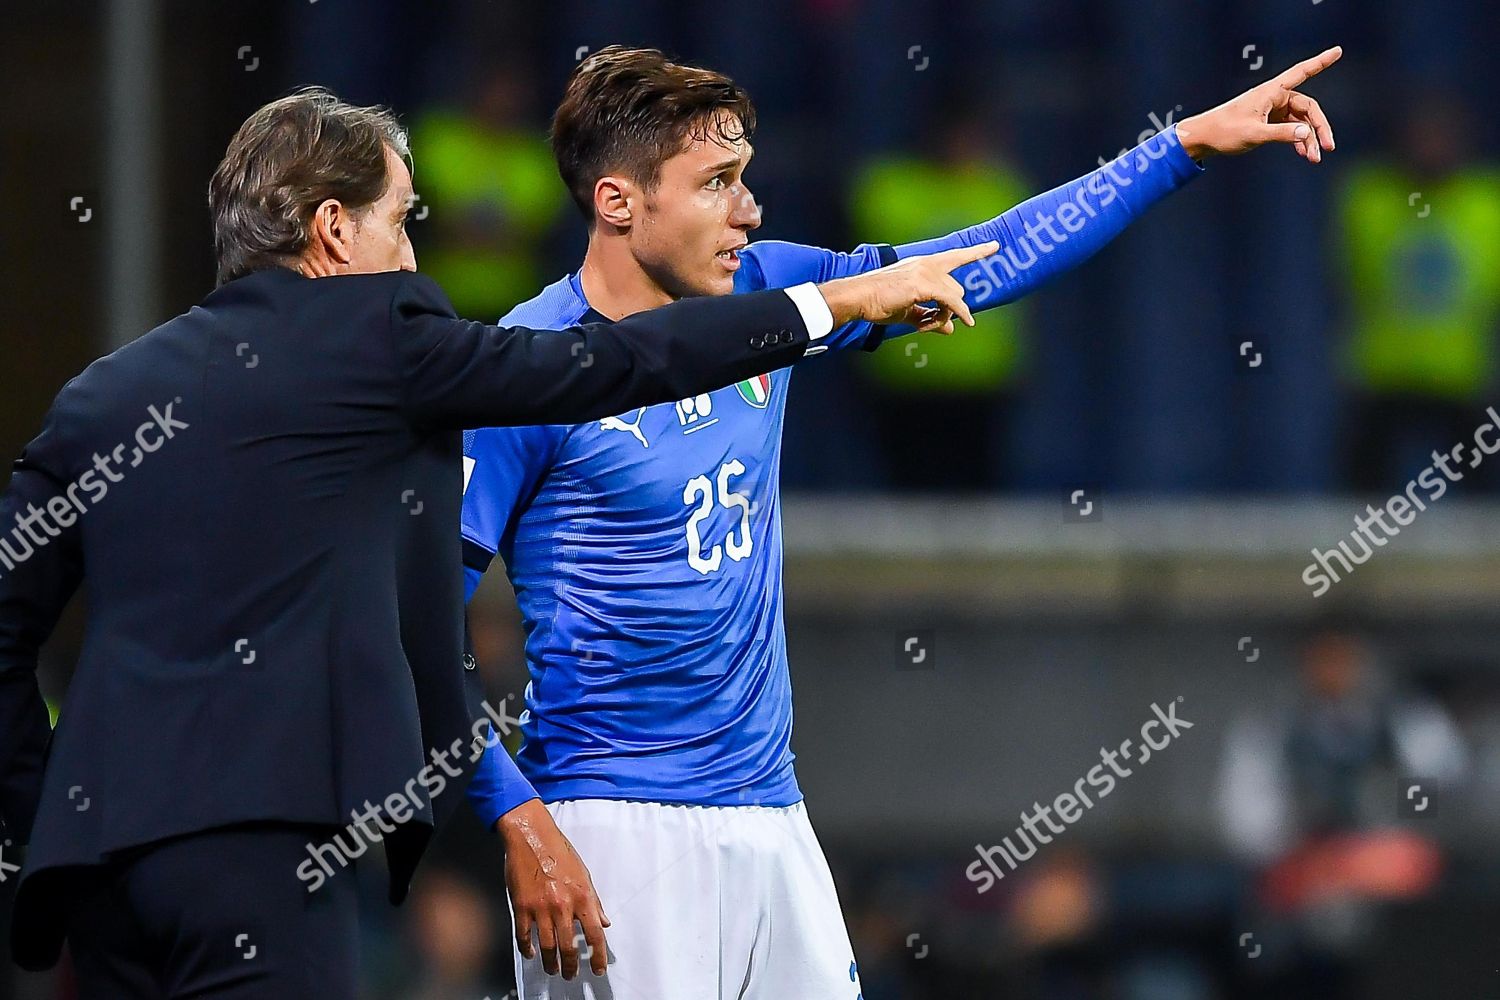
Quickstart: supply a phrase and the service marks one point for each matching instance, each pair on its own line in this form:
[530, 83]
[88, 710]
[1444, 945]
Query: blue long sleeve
[498, 785]
[502, 466]
[1056, 231]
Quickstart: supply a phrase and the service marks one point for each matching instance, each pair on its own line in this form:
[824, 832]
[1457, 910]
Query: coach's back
[263, 496]
[250, 574]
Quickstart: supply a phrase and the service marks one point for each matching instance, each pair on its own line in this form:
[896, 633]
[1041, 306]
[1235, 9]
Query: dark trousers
[217, 914]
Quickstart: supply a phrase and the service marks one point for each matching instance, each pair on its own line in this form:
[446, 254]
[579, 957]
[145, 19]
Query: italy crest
[755, 391]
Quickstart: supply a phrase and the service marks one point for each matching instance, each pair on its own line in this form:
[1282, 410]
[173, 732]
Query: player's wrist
[521, 820]
[1192, 135]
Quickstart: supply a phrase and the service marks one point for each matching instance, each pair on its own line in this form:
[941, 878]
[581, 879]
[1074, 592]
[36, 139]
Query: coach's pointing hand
[550, 888]
[901, 292]
[1271, 112]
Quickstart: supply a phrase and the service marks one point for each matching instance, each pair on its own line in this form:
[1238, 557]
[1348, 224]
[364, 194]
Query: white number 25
[701, 492]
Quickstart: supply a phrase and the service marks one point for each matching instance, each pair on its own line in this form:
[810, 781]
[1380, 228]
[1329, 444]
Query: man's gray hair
[287, 159]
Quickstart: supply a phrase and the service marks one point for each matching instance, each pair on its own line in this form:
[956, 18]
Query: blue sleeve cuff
[1184, 167]
[498, 785]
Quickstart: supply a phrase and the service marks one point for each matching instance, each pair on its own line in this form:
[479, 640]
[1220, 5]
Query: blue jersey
[645, 548]
[645, 552]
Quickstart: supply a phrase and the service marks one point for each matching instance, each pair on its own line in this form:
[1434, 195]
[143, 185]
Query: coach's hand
[1272, 112]
[550, 888]
[901, 292]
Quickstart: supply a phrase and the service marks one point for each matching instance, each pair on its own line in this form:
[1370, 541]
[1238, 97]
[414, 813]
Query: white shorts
[705, 903]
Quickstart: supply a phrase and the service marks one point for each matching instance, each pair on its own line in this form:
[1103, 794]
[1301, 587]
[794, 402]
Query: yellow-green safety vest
[461, 163]
[904, 200]
[1423, 266]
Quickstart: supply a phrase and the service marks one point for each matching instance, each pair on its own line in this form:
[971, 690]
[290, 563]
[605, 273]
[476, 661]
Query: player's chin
[717, 281]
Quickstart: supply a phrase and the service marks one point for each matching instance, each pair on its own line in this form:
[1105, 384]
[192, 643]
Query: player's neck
[614, 284]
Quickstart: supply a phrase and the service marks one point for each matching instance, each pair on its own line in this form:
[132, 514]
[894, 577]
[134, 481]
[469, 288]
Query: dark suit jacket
[262, 497]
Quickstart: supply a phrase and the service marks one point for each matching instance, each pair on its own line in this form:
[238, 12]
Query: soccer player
[645, 548]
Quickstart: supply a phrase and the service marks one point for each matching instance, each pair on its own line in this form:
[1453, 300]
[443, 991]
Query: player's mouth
[730, 258]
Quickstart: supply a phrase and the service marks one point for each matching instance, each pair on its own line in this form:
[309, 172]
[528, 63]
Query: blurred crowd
[1337, 871]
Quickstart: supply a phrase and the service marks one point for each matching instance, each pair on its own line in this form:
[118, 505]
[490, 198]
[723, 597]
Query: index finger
[1305, 70]
[950, 260]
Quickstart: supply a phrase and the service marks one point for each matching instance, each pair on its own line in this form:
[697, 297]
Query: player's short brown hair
[630, 110]
[287, 159]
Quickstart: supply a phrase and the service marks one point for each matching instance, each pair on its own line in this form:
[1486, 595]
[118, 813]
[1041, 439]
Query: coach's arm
[460, 374]
[39, 571]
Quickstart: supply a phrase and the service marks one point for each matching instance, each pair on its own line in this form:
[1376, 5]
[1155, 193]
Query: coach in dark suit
[262, 496]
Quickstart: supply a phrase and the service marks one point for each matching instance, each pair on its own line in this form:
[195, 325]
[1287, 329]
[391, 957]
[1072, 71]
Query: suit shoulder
[139, 355]
[383, 292]
[401, 290]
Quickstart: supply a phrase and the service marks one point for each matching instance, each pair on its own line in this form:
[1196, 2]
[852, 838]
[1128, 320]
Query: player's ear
[612, 201]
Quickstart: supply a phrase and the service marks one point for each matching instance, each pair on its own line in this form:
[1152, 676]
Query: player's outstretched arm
[1056, 231]
[1274, 112]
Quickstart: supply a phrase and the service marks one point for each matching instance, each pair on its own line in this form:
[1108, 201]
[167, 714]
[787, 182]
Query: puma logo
[621, 424]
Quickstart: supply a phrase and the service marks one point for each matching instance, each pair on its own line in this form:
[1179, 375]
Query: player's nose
[746, 213]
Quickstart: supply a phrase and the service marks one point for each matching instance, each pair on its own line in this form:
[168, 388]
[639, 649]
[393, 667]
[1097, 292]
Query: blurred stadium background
[1102, 500]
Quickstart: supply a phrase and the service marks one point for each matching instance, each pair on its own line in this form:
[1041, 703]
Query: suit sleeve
[41, 564]
[457, 374]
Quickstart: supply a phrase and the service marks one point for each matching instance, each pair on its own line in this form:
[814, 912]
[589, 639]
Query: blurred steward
[491, 193]
[1421, 262]
[941, 403]
[1310, 798]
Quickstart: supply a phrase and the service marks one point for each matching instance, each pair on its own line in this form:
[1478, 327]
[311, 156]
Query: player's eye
[717, 184]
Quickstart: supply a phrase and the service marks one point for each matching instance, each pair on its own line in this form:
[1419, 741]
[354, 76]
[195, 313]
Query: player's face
[379, 241]
[698, 217]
